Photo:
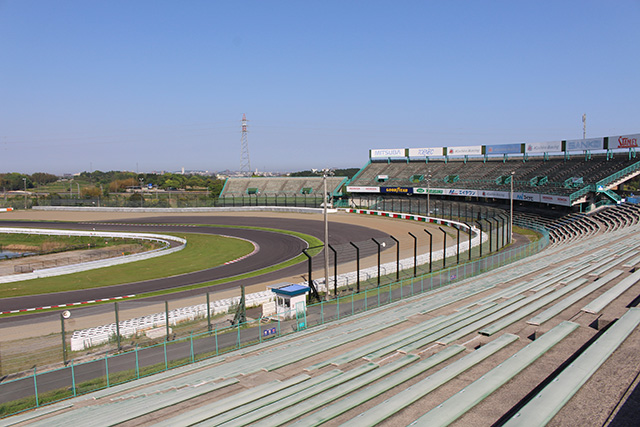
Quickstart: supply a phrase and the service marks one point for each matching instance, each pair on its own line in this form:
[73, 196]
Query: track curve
[274, 248]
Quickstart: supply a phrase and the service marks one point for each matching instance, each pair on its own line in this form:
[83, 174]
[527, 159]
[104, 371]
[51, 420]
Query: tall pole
[444, 249]
[379, 246]
[480, 225]
[469, 227]
[415, 254]
[25, 192]
[335, 271]
[511, 211]
[326, 233]
[430, 249]
[428, 191]
[397, 258]
[458, 246]
[117, 325]
[357, 264]
[64, 315]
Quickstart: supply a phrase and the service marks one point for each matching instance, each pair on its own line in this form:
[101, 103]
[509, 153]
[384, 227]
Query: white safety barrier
[102, 334]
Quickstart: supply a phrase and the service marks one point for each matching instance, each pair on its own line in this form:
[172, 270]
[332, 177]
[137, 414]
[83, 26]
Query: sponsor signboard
[425, 152]
[555, 200]
[352, 189]
[384, 153]
[624, 141]
[463, 151]
[543, 147]
[494, 194]
[504, 149]
[421, 190]
[585, 144]
[463, 193]
[526, 197]
[397, 190]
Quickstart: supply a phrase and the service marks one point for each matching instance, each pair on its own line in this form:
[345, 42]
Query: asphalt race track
[274, 249]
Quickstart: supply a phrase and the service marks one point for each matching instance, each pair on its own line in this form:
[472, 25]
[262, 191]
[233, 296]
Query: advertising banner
[585, 144]
[464, 151]
[425, 152]
[352, 189]
[504, 149]
[555, 200]
[526, 197]
[544, 147]
[494, 194]
[384, 153]
[396, 190]
[462, 193]
[421, 190]
[624, 141]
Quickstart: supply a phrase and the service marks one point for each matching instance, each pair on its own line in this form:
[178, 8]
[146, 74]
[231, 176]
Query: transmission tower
[245, 163]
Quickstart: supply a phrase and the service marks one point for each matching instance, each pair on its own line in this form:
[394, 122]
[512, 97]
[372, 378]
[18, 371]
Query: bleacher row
[479, 175]
[428, 360]
[314, 186]
[580, 226]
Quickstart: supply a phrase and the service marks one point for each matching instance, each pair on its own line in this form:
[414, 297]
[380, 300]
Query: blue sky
[161, 85]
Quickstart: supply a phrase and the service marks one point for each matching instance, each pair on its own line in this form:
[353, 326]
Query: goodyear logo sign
[397, 190]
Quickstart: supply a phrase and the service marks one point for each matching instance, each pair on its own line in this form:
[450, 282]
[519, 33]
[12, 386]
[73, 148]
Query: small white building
[291, 300]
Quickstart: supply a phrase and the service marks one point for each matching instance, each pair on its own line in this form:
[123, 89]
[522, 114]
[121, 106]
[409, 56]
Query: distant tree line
[16, 181]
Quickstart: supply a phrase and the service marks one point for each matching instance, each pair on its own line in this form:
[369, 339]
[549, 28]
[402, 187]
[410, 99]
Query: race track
[274, 249]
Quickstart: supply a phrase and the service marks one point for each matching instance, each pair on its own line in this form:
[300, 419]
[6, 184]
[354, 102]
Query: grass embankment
[45, 244]
[202, 252]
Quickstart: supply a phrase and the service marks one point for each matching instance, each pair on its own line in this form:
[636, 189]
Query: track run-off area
[274, 248]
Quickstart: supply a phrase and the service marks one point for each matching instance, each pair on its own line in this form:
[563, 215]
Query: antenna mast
[245, 163]
[584, 126]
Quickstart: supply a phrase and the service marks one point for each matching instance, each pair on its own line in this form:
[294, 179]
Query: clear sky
[161, 85]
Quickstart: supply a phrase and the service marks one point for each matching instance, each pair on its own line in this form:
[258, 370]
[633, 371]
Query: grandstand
[561, 176]
[282, 186]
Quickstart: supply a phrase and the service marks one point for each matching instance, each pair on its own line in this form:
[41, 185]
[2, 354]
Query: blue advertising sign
[504, 149]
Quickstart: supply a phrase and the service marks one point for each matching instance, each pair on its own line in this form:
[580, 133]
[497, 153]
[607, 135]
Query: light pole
[326, 172]
[428, 191]
[511, 210]
[64, 315]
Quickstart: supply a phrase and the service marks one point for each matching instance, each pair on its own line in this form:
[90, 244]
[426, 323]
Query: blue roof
[291, 290]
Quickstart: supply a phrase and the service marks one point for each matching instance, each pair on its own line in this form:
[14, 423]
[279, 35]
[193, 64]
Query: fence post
[215, 335]
[106, 367]
[192, 355]
[35, 386]
[137, 363]
[166, 318]
[73, 379]
[117, 326]
[166, 361]
[208, 313]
